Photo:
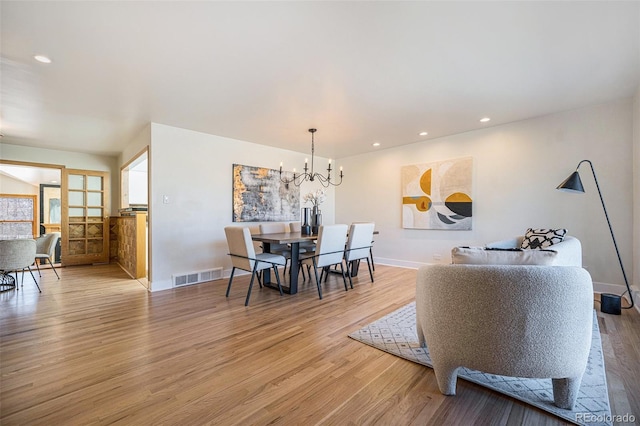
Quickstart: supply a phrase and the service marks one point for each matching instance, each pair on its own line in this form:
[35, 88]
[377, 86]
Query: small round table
[7, 282]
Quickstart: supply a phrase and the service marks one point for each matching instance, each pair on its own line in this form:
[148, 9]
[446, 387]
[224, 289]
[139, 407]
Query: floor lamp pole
[610, 302]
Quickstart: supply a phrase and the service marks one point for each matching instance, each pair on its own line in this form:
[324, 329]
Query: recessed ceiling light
[42, 58]
[54, 181]
[376, 144]
[423, 133]
[485, 119]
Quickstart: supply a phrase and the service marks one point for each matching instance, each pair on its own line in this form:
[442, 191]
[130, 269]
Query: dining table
[293, 239]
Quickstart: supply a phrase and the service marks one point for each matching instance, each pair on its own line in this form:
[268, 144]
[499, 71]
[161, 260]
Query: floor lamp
[609, 303]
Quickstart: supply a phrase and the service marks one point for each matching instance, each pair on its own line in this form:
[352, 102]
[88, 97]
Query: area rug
[396, 334]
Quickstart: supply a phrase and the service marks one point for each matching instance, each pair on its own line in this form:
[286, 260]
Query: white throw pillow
[483, 256]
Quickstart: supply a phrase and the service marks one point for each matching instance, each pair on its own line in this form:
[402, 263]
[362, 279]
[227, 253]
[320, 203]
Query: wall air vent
[180, 280]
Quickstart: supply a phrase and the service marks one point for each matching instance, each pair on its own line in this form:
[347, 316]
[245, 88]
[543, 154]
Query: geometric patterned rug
[395, 333]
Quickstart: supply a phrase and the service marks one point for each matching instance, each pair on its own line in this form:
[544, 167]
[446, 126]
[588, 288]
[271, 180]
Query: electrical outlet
[165, 199]
[437, 256]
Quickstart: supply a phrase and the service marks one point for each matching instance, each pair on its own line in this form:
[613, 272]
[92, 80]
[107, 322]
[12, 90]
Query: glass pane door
[85, 202]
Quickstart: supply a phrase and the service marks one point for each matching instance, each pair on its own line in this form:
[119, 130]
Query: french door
[85, 205]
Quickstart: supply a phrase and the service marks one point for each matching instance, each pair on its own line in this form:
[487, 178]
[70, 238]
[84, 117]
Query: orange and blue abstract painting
[438, 195]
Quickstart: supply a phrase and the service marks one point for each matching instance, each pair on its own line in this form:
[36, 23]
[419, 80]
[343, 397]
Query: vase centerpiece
[305, 219]
[315, 198]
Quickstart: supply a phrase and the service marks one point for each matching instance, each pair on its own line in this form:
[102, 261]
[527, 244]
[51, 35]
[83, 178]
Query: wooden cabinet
[129, 235]
[52, 227]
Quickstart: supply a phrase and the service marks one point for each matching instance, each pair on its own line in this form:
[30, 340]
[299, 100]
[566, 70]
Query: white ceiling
[31, 175]
[265, 72]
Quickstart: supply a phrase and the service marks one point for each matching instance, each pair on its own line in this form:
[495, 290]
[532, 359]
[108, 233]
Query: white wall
[71, 160]
[131, 151]
[516, 170]
[138, 187]
[136, 145]
[9, 185]
[195, 171]
[636, 197]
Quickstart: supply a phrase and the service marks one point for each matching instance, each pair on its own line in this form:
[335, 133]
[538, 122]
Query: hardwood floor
[96, 348]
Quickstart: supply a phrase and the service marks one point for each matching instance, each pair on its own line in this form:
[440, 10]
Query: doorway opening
[32, 192]
[133, 224]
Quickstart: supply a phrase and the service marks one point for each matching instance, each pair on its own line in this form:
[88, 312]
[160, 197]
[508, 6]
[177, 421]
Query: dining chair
[373, 265]
[243, 256]
[358, 247]
[305, 246]
[257, 245]
[329, 251]
[281, 249]
[276, 228]
[46, 249]
[18, 255]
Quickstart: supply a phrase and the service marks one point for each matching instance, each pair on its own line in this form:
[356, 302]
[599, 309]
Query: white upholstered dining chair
[358, 247]
[306, 245]
[281, 249]
[276, 228]
[243, 256]
[257, 245]
[329, 252]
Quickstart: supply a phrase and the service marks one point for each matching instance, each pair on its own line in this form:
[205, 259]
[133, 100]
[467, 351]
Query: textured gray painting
[260, 196]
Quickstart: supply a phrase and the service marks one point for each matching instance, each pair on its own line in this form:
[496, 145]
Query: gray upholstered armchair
[46, 250]
[17, 255]
[511, 320]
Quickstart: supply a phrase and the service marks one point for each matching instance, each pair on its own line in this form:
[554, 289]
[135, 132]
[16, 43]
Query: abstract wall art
[260, 196]
[438, 195]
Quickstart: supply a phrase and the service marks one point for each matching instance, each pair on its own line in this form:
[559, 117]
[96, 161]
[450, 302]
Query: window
[17, 216]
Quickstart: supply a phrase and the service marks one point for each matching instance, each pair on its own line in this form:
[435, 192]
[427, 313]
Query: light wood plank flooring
[96, 348]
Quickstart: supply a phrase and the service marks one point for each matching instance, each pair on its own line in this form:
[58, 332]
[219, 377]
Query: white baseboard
[399, 263]
[618, 289]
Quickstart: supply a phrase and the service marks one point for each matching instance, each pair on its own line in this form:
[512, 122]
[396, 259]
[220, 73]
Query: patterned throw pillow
[542, 238]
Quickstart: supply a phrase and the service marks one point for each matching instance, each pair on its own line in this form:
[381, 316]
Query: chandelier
[310, 175]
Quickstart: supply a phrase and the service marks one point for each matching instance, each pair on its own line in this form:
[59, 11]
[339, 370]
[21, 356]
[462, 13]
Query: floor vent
[197, 277]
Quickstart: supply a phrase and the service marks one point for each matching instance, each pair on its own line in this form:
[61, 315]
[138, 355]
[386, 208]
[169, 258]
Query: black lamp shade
[572, 183]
